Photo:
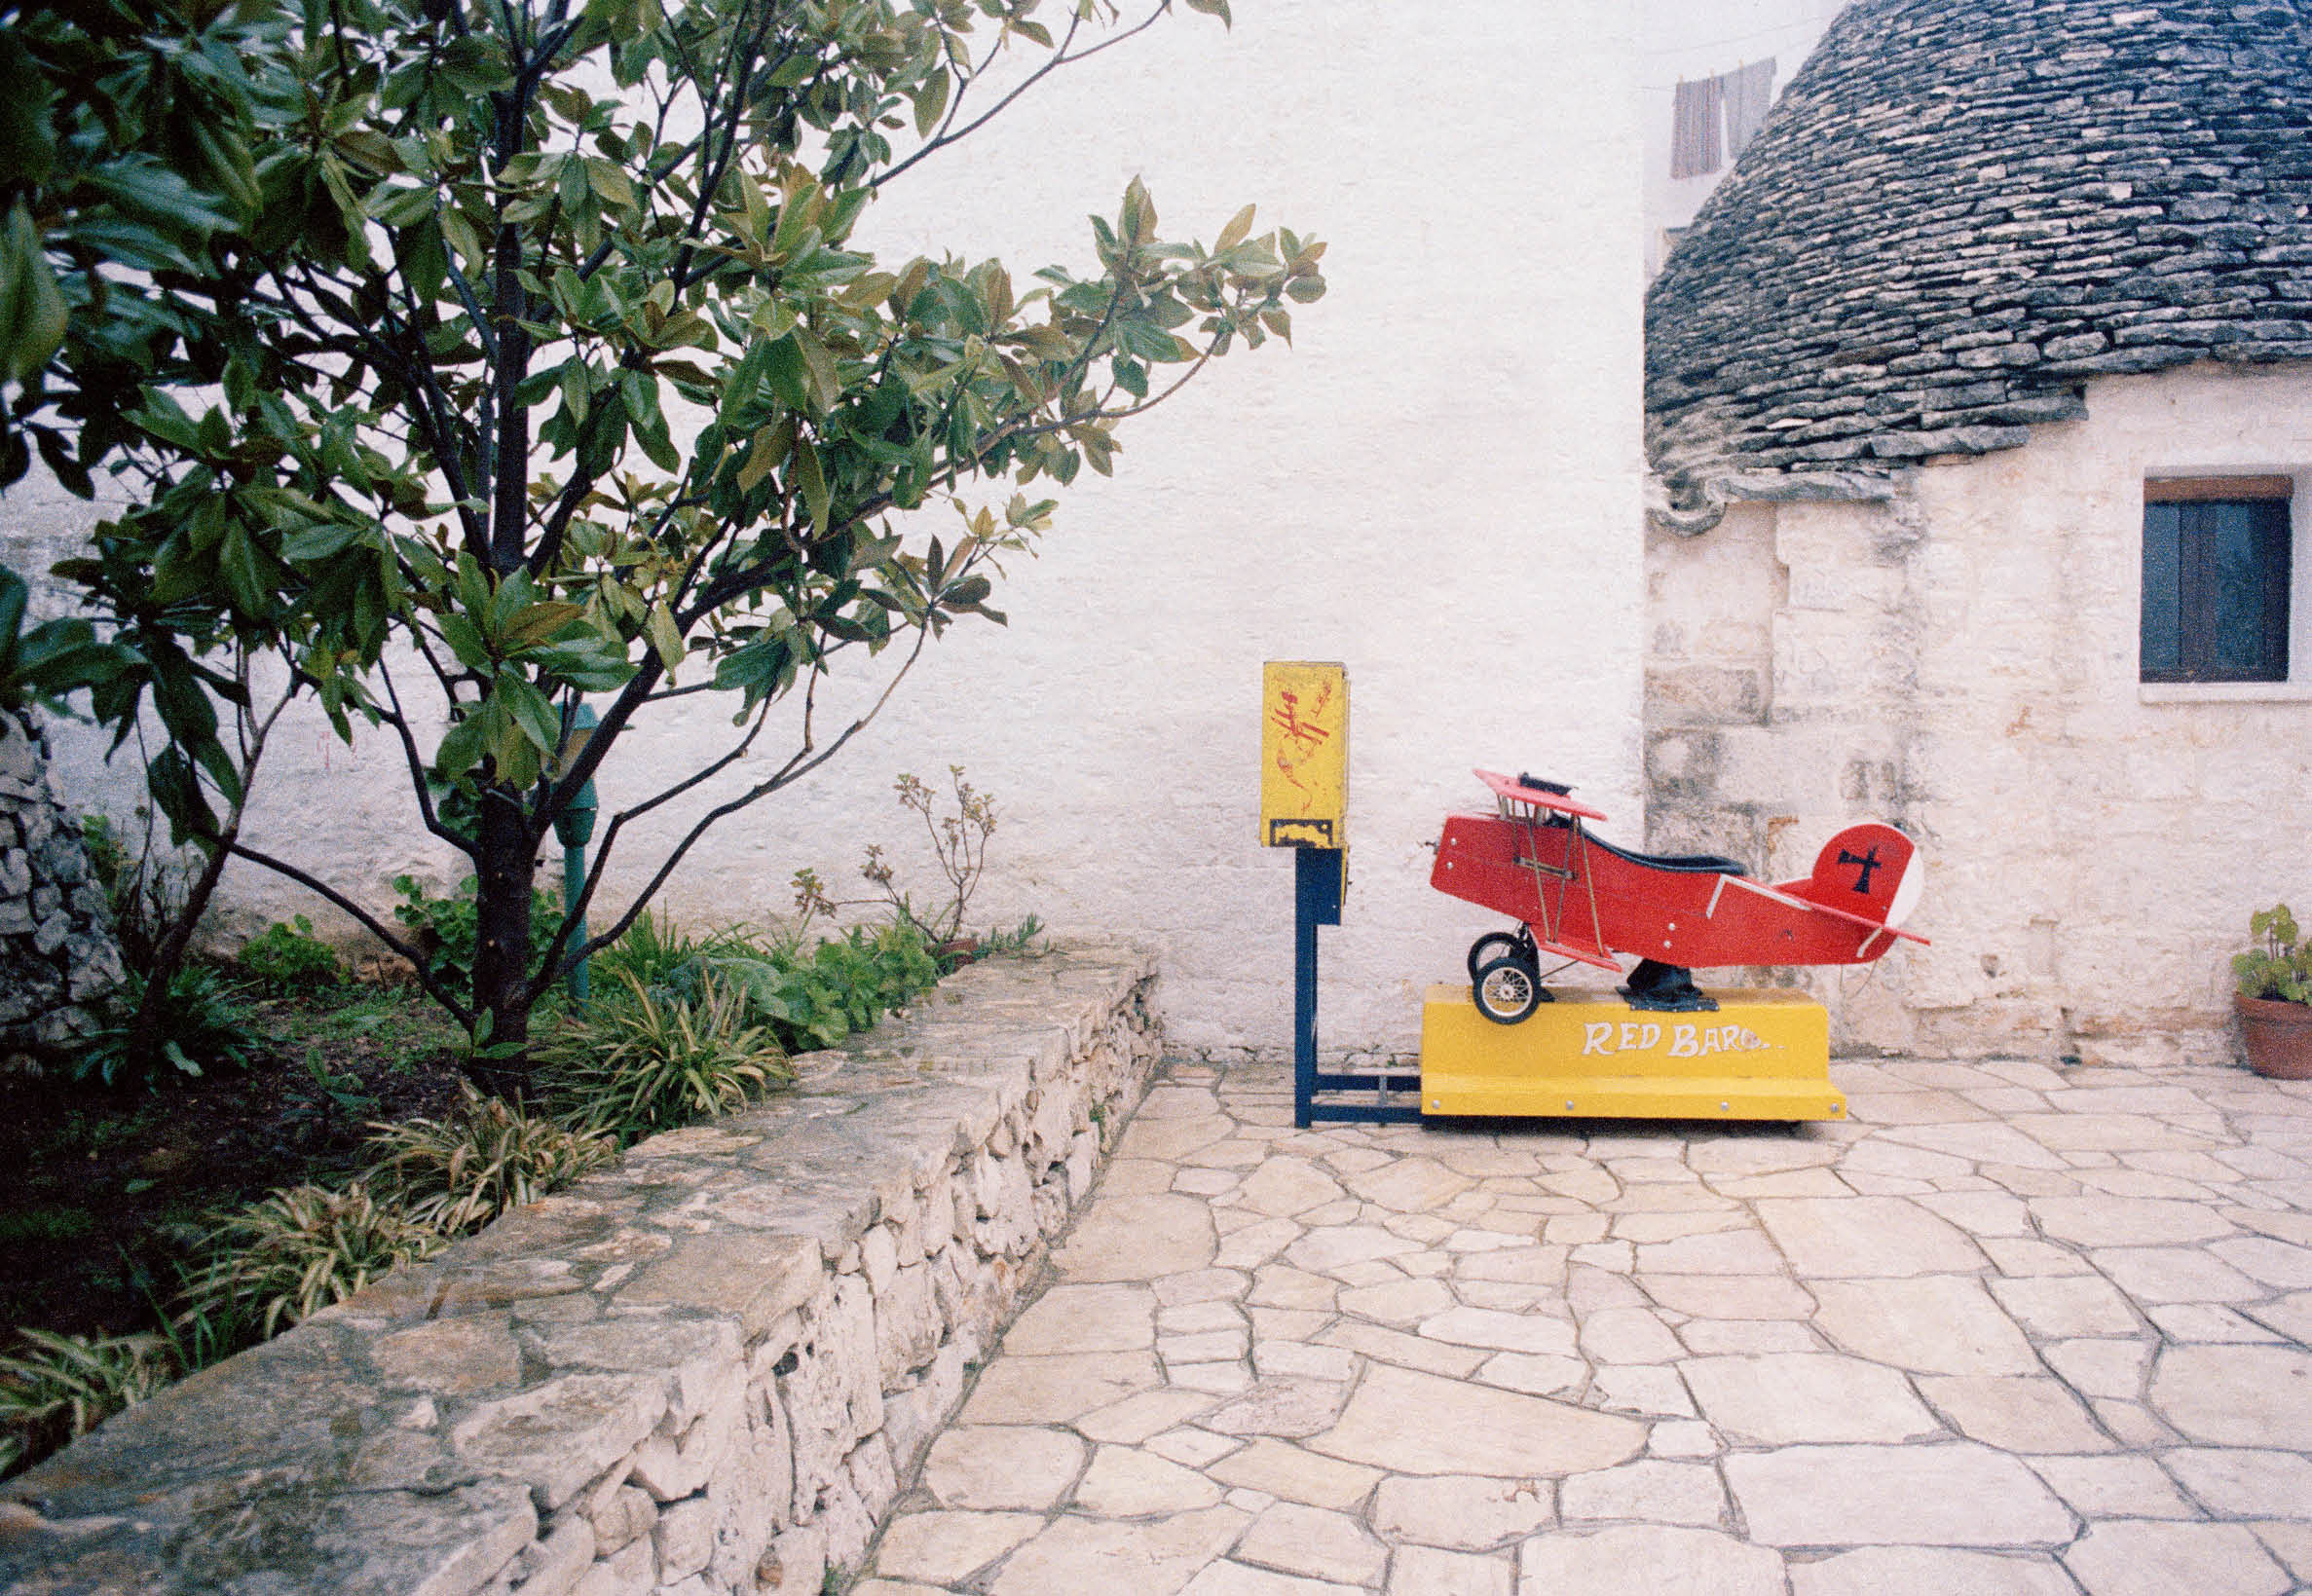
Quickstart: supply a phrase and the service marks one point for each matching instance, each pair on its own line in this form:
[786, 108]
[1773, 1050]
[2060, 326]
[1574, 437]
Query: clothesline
[1744, 38]
[1716, 115]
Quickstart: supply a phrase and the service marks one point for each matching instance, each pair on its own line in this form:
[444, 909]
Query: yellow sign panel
[1764, 1055]
[1304, 755]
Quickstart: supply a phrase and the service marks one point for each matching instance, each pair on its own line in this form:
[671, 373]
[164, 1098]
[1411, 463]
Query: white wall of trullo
[1964, 661]
[1437, 485]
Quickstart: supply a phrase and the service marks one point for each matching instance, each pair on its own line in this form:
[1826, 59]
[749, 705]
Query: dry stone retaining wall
[58, 958]
[707, 1370]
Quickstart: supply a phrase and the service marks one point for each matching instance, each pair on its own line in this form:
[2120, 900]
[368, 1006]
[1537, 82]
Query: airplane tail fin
[1871, 871]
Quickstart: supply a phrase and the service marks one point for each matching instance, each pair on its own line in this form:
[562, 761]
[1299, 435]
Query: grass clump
[455, 1174]
[648, 1059]
[60, 1387]
[300, 1250]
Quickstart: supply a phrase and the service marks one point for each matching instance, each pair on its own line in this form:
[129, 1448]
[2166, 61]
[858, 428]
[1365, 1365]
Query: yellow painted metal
[1304, 755]
[1765, 1055]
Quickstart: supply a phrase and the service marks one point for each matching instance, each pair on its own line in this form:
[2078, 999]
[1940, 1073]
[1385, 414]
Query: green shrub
[458, 1173]
[1020, 938]
[301, 1250]
[844, 985]
[661, 957]
[640, 1061]
[62, 1387]
[289, 960]
[446, 929]
[201, 1024]
[2280, 964]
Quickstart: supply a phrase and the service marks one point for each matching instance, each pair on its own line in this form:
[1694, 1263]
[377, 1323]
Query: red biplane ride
[1581, 899]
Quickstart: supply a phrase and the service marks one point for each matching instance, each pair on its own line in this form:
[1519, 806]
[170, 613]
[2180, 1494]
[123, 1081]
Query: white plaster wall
[1436, 486]
[1965, 664]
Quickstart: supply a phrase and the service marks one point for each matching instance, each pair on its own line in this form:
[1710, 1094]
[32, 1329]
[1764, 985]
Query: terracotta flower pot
[2278, 1036]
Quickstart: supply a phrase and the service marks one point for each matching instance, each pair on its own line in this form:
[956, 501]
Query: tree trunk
[505, 868]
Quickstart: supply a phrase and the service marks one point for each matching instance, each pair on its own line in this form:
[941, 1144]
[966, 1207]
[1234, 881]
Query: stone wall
[1962, 661]
[58, 958]
[707, 1370]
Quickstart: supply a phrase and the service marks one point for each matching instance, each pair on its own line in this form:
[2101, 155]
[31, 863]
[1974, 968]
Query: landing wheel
[1497, 944]
[1507, 989]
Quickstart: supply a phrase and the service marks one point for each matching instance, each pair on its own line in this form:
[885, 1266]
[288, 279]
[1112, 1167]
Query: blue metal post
[1317, 901]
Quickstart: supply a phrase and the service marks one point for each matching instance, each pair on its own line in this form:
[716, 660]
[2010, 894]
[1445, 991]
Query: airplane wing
[1525, 790]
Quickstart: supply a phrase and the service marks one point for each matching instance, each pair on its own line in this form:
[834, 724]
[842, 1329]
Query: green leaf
[664, 638]
[465, 642]
[244, 578]
[1213, 8]
[530, 710]
[608, 181]
[31, 309]
[931, 101]
[318, 543]
[814, 483]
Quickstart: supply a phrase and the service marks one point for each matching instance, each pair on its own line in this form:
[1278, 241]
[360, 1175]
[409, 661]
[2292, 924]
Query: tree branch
[1059, 57]
[368, 921]
[793, 771]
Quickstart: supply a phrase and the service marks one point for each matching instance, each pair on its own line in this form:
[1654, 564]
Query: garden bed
[713, 1363]
[103, 1192]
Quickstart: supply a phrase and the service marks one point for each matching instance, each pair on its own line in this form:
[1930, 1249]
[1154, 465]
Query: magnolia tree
[523, 353]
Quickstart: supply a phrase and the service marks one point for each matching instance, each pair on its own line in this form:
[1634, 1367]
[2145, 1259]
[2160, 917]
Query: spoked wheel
[1499, 944]
[1507, 989]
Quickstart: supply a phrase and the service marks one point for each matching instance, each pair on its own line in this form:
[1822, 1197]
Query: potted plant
[2275, 996]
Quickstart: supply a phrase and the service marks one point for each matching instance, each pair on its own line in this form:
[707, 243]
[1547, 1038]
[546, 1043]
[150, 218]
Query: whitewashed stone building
[1979, 402]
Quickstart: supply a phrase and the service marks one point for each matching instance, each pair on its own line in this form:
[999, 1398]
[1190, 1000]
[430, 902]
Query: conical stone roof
[1958, 211]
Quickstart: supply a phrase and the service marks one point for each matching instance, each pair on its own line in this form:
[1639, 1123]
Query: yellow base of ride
[1765, 1055]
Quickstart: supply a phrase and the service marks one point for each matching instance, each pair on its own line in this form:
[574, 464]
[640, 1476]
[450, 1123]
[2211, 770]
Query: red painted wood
[1586, 902]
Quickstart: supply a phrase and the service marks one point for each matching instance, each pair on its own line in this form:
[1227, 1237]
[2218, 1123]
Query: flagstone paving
[2010, 1329]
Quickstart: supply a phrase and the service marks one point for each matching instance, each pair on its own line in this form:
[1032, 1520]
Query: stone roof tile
[1959, 212]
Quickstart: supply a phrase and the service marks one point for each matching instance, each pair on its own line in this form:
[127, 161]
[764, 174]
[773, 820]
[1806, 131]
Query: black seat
[1699, 863]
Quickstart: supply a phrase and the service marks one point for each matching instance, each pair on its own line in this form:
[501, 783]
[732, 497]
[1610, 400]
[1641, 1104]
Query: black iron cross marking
[1869, 863]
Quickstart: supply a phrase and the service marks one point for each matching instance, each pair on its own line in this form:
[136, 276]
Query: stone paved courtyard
[2009, 1330]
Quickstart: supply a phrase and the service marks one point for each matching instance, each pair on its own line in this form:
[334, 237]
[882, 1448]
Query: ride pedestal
[1763, 1054]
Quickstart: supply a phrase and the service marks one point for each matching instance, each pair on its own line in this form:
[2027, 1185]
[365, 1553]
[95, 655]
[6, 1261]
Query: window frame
[2280, 652]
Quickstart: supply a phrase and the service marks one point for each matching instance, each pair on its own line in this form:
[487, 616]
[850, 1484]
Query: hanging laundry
[1695, 147]
[1749, 94]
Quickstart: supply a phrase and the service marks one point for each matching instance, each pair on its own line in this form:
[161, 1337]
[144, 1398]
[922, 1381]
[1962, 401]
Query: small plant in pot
[2275, 996]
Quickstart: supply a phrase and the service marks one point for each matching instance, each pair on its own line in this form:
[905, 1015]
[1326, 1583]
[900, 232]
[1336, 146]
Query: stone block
[701, 1355]
[748, 1275]
[706, 1444]
[553, 1566]
[661, 1469]
[624, 1517]
[685, 1536]
[751, 1500]
[631, 1572]
[848, 1525]
[794, 1564]
[561, 1434]
[907, 1322]
[879, 1257]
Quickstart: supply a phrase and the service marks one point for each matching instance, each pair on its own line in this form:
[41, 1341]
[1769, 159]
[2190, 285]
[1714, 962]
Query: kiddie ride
[1658, 1046]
